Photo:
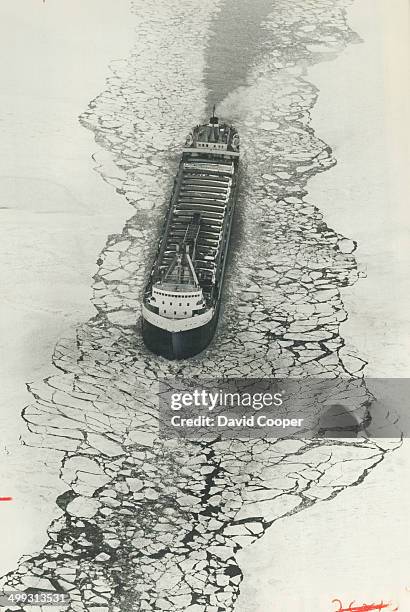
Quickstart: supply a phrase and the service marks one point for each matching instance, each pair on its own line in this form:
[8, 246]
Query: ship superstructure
[182, 298]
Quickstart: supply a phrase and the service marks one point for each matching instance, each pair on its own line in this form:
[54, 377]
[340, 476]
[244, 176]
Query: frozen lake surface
[55, 216]
[127, 494]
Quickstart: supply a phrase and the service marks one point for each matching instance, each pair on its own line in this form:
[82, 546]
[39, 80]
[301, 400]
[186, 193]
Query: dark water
[236, 39]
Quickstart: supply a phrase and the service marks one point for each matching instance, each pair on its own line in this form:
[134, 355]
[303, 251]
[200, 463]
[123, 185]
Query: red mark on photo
[6, 498]
[364, 607]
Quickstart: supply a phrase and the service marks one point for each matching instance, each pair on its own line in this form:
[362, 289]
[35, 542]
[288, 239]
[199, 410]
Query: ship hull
[181, 344]
[183, 294]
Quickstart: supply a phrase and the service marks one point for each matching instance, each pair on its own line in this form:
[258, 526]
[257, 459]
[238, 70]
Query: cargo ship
[182, 298]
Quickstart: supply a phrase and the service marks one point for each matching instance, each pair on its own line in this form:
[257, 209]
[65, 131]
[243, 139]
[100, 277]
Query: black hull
[178, 345]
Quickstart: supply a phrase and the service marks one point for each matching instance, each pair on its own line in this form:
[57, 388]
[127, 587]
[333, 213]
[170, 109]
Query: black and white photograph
[205, 289]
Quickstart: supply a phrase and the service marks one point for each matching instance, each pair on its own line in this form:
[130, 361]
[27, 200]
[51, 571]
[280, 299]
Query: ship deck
[204, 187]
